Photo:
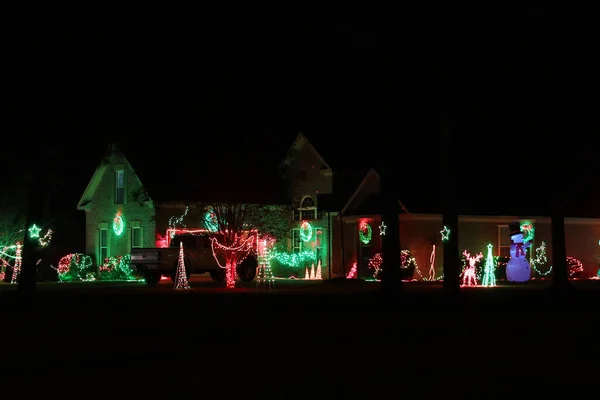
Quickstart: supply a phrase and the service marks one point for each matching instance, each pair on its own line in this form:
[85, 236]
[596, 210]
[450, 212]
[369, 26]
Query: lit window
[119, 187]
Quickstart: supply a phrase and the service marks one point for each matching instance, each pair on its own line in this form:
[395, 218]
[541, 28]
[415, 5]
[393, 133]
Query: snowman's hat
[515, 228]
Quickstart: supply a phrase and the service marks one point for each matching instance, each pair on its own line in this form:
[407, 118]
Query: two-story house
[123, 212]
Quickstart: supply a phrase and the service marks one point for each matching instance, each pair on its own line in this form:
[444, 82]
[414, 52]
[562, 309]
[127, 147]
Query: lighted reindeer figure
[469, 274]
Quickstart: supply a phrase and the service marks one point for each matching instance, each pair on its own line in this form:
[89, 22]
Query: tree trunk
[560, 274]
[390, 274]
[451, 283]
[35, 207]
[230, 273]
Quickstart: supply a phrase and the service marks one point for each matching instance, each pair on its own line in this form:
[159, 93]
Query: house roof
[166, 181]
[302, 140]
[345, 184]
[371, 173]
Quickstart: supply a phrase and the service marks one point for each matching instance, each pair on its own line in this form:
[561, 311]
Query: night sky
[220, 87]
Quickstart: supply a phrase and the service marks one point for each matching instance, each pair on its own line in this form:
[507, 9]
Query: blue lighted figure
[489, 273]
[518, 268]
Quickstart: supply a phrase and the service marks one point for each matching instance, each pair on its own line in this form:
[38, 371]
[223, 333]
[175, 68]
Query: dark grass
[321, 340]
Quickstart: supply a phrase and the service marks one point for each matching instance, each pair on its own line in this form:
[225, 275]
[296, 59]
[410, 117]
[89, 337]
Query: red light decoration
[375, 264]
[233, 255]
[352, 274]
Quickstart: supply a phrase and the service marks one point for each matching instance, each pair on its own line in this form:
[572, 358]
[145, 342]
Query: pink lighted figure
[469, 274]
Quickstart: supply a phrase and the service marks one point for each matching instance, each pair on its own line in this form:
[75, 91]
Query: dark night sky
[366, 84]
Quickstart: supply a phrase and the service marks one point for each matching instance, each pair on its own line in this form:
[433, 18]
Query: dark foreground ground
[321, 340]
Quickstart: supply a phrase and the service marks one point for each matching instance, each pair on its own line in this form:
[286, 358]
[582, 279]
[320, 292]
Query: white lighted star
[382, 228]
[445, 233]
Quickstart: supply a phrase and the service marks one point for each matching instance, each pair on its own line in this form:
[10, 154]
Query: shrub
[76, 267]
[116, 268]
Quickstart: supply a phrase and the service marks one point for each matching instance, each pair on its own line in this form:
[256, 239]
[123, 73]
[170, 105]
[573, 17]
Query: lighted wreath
[365, 233]
[528, 231]
[118, 225]
[306, 231]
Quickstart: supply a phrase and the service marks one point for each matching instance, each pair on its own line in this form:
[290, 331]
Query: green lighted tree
[489, 270]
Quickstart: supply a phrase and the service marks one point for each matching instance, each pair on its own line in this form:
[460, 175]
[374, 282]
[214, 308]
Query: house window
[136, 237]
[103, 245]
[119, 187]
[307, 210]
[503, 248]
[296, 242]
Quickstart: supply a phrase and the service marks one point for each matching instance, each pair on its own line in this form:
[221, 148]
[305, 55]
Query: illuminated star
[382, 228]
[34, 231]
[445, 233]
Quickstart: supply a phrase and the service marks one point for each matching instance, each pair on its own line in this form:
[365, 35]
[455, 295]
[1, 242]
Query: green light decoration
[294, 260]
[210, 221]
[34, 232]
[489, 274]
[365, 233]
[445, 234]
[528, 231]
[118, 225]
[306, 231]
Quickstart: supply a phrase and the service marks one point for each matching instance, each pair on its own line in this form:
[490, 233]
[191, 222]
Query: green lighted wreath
[365, 233]
[306, 231]
[118, 225]
[528, 231]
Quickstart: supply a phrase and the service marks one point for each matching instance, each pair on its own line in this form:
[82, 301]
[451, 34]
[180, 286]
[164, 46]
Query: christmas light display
[210, 221]
[174, 221]
[117, 268]
[528, 231]
[352, 274]
[5, 256]
[319, 274]
[375, 264]
[469, 273]
[44, 241]
[518, 268]
[489, 270]
[34, 231]
[407, 262]
[445, 234]
[365, 233]
[181, 281]
[118, 224]
[382, 228]
[233, 255]
[75, 267]
[574, 266]
[312, 271]
[18, 261]
[306, 231]
[432, 263]
[540, 260]
[264, 277]
[294, 259]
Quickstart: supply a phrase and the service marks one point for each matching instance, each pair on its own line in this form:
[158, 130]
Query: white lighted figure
[470, 273]
[518, 268]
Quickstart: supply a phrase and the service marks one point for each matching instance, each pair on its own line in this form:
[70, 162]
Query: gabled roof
[92, 185]
[168, 181]
[111, 151]
[371, 174]
[300, 142]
